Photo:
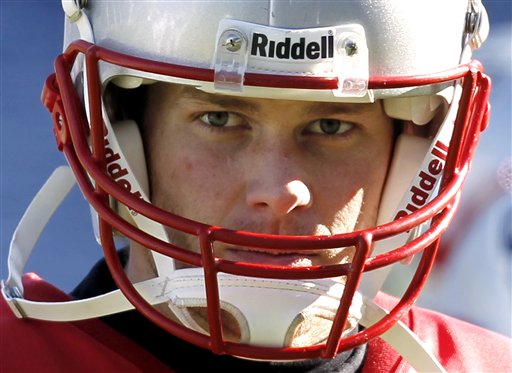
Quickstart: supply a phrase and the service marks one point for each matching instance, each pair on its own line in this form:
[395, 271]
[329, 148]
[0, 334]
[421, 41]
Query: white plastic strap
[403, 340]
[84, 309]
[34, 220]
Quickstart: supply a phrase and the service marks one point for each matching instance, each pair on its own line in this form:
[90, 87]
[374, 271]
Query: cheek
[191, 182]
[372, 173]
[350, 195]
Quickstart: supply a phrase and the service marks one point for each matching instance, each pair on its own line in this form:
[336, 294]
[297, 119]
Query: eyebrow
[223, 101]
[232, 102]
[331, 108]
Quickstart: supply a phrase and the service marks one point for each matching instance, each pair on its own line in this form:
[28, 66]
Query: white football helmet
[413, 55]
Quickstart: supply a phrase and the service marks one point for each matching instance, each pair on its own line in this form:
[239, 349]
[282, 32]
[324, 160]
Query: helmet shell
[403, 37]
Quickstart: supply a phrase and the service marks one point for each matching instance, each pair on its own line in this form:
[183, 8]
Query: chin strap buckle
[10, 295]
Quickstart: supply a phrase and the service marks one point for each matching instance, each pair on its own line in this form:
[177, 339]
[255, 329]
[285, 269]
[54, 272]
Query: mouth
[288, 259]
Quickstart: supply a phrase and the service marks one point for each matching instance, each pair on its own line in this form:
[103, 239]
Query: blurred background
[472, 276]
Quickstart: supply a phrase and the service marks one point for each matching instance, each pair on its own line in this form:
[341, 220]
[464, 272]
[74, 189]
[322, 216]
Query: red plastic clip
[51, 99]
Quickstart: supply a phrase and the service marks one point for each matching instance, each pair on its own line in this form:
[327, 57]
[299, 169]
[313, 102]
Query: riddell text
[263, 47]
[420, 191]
[116, 171]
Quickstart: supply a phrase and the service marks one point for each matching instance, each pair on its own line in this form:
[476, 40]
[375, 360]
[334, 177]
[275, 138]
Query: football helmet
[414, 56]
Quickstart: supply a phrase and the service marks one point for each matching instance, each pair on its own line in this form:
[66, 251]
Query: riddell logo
[262, 46]
[116, 171]
[427, 180]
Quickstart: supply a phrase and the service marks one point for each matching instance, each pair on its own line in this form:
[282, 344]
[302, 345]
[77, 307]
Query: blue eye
[329, 126]
[222, 121]
[216, 118]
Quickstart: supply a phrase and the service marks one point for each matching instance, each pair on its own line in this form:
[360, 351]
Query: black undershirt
[185, 357]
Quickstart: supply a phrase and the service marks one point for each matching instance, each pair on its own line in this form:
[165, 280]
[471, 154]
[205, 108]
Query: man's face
[266, 166]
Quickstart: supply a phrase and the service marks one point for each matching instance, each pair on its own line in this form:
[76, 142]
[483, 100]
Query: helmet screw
[233, 41]
[350, 47]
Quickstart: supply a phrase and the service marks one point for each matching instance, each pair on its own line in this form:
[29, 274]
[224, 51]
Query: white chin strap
[268, 312]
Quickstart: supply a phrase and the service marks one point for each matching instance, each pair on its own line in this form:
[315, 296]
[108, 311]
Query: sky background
[31, 37]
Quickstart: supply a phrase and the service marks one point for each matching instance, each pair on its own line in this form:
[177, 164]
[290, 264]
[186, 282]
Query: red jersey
[91, 346]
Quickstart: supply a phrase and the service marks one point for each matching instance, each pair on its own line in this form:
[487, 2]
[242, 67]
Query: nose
[280, 198]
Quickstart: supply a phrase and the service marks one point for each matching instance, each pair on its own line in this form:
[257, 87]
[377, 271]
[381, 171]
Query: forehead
[178, 95]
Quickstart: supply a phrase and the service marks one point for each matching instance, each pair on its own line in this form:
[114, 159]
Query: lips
[262, 257]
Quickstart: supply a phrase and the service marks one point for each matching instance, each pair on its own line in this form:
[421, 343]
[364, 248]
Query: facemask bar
[72, 125]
